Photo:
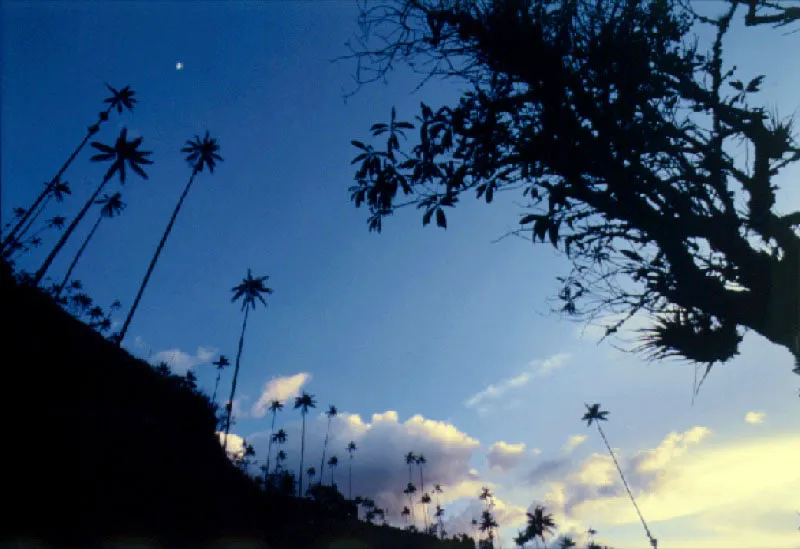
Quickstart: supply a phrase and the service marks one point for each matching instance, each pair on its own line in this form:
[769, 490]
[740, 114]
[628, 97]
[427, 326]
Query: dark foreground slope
[103, 448]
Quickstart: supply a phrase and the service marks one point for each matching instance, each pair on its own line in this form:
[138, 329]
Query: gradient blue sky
[415, 321]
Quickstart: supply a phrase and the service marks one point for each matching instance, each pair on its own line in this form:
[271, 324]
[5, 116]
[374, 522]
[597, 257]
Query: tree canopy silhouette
[619, 132]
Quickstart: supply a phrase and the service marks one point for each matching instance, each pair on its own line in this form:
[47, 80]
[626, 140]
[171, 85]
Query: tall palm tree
[521, 539]
[200, 153]
[424, 501]
[112, 206]
[58, 190]
[279, 459]
[332, 463]
[34, 240]
[539, 524]
[405, 513]
[119, 99]
[280, 439]
[566, 543]
[221, 363]
[275, 406]
[411, 460]
[421, 461]
[331, 413]
[304, 402]
[410, 491]
[249, 290]
[122, 152]
[595, 414]
[486, 496]
[488, 525]
[311, 472]
[350, 449]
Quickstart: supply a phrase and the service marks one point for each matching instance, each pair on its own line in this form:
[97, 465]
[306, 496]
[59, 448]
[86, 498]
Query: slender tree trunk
[33, 218]
[269, 446]
[60, 287]
[653, 541]
[235, 378]
[216, 386]
[64, 237]
[324, 448]
[52, 183]
[332, 470]
[302, 452]
[350, 479]
[124, 329]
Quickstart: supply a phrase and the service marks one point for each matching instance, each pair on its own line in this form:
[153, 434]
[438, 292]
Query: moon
[178, 66]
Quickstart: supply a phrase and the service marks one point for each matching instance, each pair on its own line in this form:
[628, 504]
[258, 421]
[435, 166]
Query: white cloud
[279, 388]
[754, 418]
[573, 442]
[181, 362]
[535, 368]
[505, 456]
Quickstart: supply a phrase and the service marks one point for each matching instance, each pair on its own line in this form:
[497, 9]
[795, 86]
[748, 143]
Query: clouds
[179, 361]
[505, 456]
[535, 369]
[281, 389]
[573, 442]
[754, 418]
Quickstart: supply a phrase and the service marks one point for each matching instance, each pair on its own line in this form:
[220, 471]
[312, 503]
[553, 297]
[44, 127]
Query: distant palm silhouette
[331, 413]
[34, 240]
[58, 190]
[595, 414]
[424, 501]
[112, 206]
[311, 472]
[248, 291]
[421, 461]
[200, 153]
[411, 460]
[540, 524]
[275, 406]
[279, 438]
[488, 525]
[566, 543]
[350, 449]
[410, 491]
[122, 152]
[119, 99]
[333, 462]
[405, 513]
[221, 363]
[304, 402]
[279, 459]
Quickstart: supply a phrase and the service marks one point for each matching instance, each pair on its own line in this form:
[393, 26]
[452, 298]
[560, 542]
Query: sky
[431, 341]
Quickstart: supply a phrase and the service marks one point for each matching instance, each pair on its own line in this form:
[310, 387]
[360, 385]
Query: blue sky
[415, 321]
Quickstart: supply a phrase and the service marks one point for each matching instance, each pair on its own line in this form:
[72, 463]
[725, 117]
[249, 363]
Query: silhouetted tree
[112, 206]
[333, 462]
[540, 524]
[221, 363]
[424, 501]
[409, 491]
[411, 460]
[595, 414]
[311, 472]
[279, 438]
[122, 152]
[618, 132]
[331, 413]
[275, 406]
[119, 99]
[59, 190]
[488, 525]
[351, 448]
[200, 153]
[249, 290]
[421, 461]
[305, 401]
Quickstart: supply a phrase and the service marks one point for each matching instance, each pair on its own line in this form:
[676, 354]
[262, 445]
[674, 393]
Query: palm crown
[332, 411]
[112, 205]
[279, 437]
[251, 289]
[540, 523]
[351, 447]
[202, 151]
[221, 362]
[120, 99]
[275, 406]
[594, 413]
[123, 151]
[304, 402]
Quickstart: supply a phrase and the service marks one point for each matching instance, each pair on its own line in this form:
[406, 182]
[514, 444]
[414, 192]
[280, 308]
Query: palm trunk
[332, 469]
[269, 446]
[155, 258]
[350, 479]
[302, 451]
[33, 218]
[64, 237]
[60, 287]
[52, 183]
[216, 386]
[653, 541]
[235, 377]
[324, 448]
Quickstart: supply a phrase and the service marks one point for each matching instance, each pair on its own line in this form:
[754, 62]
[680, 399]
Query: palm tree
[123, 151]
[221, 363]
[200, 153]
[405, 512]
[119, 99]
[350, 449]
[112, 206]
[34, 240]
[595, 414]
[333, 462]
[567, 543]
[439, 519]
[275, 406]
[521, 539]
[486, 496]
[411, 460]
[304, 402]
[280, 439]
[425, 500]
[311, 472]
[279, 459]
[488, 524]
[539, 524]
[331, 413]
[59, 190]
[249, 290]
[409, 491]
[421, 461]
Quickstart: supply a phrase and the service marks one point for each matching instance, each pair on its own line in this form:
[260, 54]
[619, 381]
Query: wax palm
[566, 543]
[34, 240]
[304, 402]
[540, 524]
[279, 459]
[333, 462]
[350, 449]
[405, 513]
[596, 415]
[486, 496]
[221, 363]
[521, 539]
[278, 438]
[411, 460]
[488, 524]
[410, 491]
[250, 290]
[112, 206]
[421, 461]
[311, 472]
[59, 190]
[274, 407]
[123, 152]
[331, 413]
[200, 153]
[424, 501]
[119, 99]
